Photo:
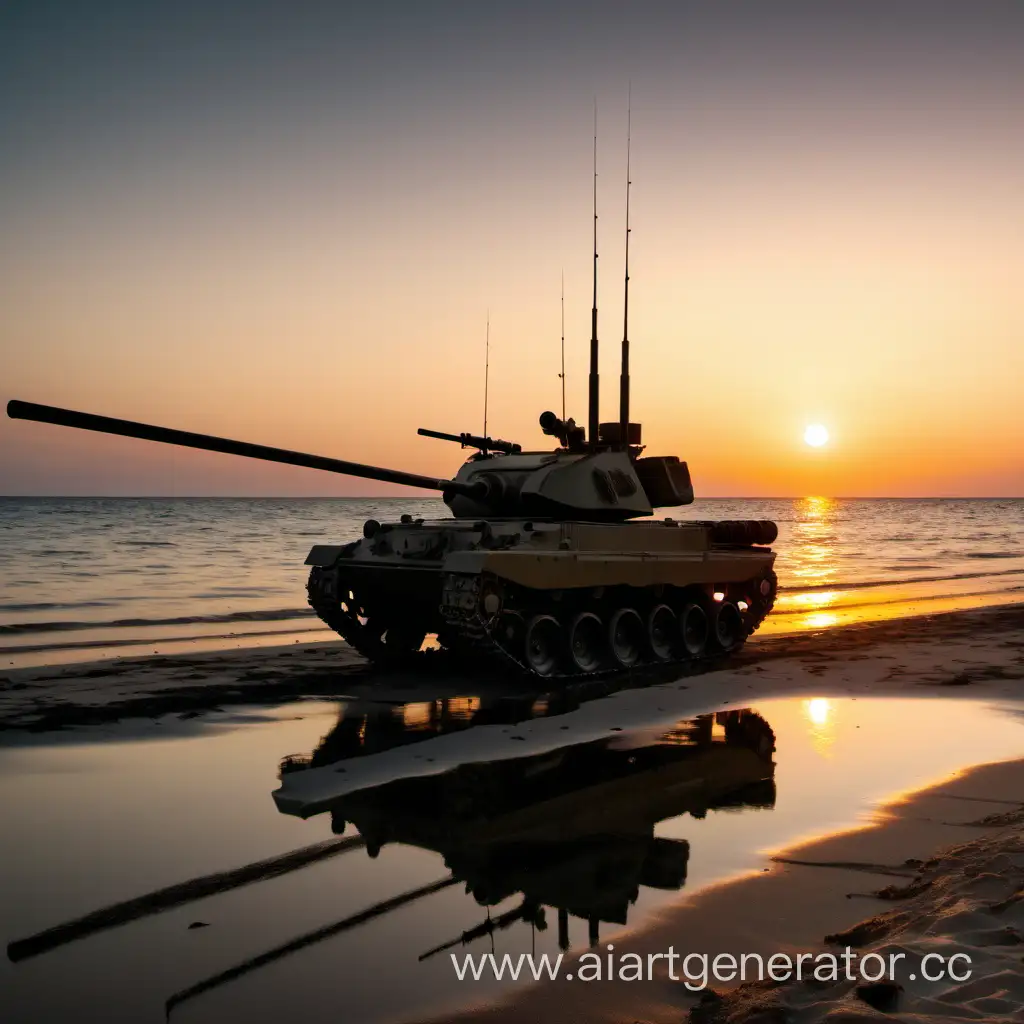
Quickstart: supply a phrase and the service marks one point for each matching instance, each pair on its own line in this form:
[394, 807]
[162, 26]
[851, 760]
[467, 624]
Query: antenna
[487, 368]
[594, 388]
[562, 374]
[624, 378]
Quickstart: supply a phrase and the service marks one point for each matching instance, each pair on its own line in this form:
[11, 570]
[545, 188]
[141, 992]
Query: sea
[89, 578]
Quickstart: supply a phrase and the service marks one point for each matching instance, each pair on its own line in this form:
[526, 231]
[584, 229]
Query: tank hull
[548, 598]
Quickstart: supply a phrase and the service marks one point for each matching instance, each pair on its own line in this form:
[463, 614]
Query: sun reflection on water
[819, 712]
[815, 600]
[823, 583]
[820, 620]
[813, 552]
[815, 564]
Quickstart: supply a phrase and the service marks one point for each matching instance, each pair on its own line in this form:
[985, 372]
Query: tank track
[470, 635]
[325, 604]
[479, 637]
[345, 616]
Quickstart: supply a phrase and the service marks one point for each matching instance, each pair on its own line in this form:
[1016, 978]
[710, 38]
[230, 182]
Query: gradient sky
[286, 222]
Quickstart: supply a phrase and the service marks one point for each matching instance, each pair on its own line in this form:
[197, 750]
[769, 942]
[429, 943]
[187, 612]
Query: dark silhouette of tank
[540, 567]
[570, 829]
[544, 565]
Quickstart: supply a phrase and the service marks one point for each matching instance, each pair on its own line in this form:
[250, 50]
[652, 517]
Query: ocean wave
[789, 613]
[257, 615]
[864, 584]
[70, 645]
[149, 543]
[994, 554]
[49, 606]
[220, 593]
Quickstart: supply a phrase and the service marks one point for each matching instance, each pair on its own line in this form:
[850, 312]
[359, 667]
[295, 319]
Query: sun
[816, 435]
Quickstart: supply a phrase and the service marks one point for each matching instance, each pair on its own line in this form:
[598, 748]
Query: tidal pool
[446, 826]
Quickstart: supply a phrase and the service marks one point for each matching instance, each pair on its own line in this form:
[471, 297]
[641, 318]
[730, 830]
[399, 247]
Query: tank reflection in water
[540, 839]
[568, 831]
[571, 830]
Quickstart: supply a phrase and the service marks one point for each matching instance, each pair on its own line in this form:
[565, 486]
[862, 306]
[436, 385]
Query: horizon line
[402, 497]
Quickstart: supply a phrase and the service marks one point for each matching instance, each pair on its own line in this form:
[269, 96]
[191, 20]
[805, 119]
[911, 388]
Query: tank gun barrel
[485, 444]
[207, 442]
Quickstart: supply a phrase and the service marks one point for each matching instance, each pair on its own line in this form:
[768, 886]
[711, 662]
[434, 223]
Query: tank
[552, 562]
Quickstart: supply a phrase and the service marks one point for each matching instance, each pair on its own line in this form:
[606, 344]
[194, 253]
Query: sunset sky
[287, 222]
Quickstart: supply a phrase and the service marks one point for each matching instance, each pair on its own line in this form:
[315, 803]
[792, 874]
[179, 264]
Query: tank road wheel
[626, 636]
[543, 644]
[588, 644]
[661, 632]
[511, 632]
[693, 629]
[727, 626]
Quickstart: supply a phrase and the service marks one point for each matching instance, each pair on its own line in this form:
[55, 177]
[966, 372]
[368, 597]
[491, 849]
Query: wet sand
[965, 648]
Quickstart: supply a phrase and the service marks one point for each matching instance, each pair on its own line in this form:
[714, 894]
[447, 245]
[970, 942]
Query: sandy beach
[981, 649]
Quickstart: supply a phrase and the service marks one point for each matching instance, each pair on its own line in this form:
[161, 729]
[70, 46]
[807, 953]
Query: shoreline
[938, 869]
[798, 610]
[978, 647]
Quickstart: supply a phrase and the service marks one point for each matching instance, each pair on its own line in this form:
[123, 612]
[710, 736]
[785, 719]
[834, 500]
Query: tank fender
[470, 562]
[326, 555]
